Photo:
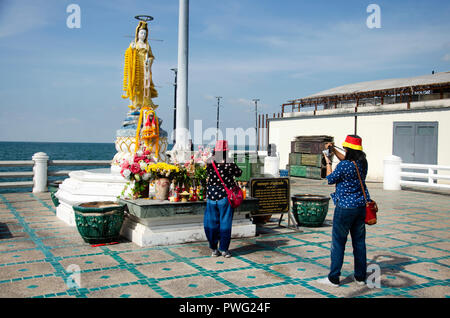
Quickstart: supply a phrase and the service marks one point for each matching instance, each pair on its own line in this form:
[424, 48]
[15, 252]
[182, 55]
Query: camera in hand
[328, 152]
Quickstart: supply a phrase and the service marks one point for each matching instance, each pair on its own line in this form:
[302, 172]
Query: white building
[408, 117]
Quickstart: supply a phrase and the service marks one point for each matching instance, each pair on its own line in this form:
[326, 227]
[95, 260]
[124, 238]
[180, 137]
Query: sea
[13, 151]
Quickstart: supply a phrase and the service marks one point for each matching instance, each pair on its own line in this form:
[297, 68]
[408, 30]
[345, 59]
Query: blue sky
[62, 84]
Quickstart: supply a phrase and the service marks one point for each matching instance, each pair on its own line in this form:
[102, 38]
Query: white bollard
[391, 178]
[40, 172]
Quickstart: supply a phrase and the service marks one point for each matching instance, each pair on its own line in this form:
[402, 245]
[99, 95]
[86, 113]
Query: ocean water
[12, 151]
[57, 150]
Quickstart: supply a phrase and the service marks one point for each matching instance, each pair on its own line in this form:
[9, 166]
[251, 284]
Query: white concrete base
[65, 213]
[148, 235]
[87, 186]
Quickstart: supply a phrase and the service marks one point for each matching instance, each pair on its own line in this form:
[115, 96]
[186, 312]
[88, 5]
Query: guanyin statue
[137, 80]
[141, 128]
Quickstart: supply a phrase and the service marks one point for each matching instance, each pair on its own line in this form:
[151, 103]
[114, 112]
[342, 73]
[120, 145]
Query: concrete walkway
[411, 246]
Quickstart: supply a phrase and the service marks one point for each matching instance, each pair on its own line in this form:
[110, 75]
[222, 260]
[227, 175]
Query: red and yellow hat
[353, 142]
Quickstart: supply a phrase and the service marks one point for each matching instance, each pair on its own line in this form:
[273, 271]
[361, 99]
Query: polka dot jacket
[348, 189]
[215, 190]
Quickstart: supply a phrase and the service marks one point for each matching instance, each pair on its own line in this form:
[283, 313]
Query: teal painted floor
[39, 255]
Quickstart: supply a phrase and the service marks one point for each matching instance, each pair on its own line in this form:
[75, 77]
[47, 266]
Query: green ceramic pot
[99, 222]
[53, 190]
[310, 210]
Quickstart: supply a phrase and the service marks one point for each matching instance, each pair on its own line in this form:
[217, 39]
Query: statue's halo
[145, 18]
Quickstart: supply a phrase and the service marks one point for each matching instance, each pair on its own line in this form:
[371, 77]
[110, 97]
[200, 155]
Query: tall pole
[175, 104]
[256, 123]
[218, 106]
[182, 116]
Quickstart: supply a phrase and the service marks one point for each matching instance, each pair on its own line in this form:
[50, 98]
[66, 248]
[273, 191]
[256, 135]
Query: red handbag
[235, 195]
[371, 206]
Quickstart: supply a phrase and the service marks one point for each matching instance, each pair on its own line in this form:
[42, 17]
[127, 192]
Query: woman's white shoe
[215, 253]
[326, 281]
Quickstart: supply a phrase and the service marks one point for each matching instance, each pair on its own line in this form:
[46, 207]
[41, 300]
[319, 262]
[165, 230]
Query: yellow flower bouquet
[162, 170]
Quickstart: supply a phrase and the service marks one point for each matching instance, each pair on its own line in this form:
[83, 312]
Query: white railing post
[40, 172]
[391, 178]
[430, 178]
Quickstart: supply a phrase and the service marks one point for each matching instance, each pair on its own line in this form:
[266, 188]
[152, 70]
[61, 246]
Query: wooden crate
[307, 147]
[310, 144]
[311, 160]
[306, 172]
[295, 159]
[297, 171]
[313, 173]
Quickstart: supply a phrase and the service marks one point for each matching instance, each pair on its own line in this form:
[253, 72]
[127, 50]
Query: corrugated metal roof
[385, 84]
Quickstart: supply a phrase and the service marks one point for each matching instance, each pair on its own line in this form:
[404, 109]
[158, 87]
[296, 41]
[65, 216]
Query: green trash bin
[251, 164]
[310, 210]
[243, 162]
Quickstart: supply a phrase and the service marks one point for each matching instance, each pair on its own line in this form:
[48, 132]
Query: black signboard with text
[273, 194]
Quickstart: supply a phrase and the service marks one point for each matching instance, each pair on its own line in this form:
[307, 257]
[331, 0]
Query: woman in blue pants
[218, 218]
[349, 213]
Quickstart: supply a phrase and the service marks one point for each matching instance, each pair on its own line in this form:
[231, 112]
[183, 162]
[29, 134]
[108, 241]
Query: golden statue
[150, 131]
[139, 88]
[137, 80]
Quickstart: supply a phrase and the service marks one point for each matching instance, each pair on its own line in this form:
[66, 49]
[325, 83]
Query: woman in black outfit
[219, 214]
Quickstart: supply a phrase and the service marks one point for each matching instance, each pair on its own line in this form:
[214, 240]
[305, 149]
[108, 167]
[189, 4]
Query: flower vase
[162, 186]
[141, 191]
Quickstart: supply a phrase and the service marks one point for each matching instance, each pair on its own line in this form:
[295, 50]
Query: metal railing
[40, 171]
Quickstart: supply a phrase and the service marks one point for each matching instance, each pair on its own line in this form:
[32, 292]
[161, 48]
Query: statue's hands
[133, 45]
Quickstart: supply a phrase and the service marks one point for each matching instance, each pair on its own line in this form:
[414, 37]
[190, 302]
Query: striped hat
[353, 142]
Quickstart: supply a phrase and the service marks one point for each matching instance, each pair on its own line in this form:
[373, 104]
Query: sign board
[273, 194]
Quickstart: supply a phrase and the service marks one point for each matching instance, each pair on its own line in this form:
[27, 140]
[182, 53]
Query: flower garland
[129, 73]
[136, 168]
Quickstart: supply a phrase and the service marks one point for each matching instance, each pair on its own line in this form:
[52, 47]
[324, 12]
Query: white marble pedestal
[87, 186]
[155, 223]
[154, 234]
